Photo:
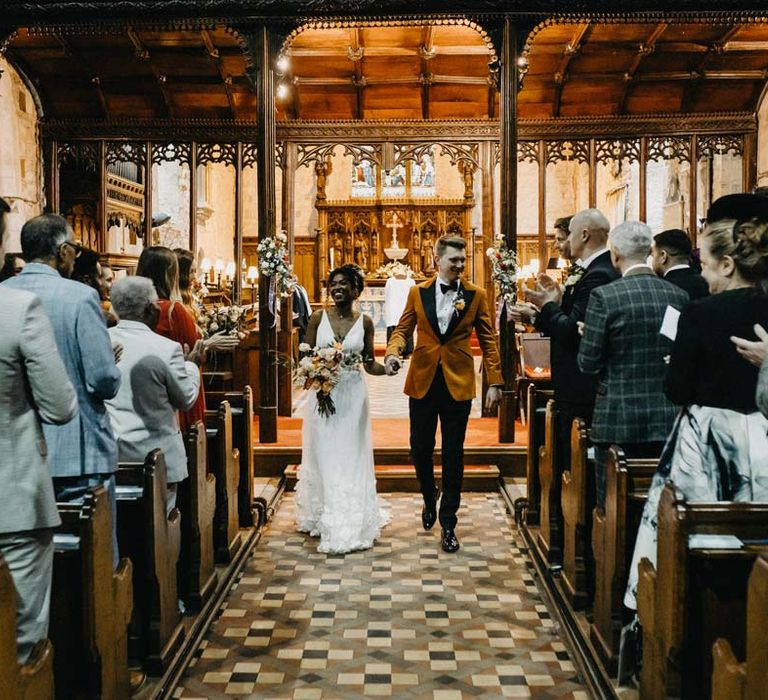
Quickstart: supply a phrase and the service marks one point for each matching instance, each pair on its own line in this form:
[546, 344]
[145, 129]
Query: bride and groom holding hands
[336, 491]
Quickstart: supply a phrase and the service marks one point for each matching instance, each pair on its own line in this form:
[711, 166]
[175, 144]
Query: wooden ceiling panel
[596, 59]
[655, 98]
[660, 62]
[458, 65]
[391, 37]
[327, 66]
[618, 33]
[332, 102]
[381, 103]
[398, 67]
[712, 95]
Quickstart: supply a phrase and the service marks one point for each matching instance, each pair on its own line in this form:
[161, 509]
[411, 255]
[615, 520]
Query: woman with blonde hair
[718, 449]
[186, 260]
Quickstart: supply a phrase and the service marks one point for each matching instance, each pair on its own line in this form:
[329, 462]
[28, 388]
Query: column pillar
[285, 337]
[508, 135]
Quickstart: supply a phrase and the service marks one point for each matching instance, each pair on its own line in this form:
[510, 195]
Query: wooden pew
[537, 400]
[250, 513]
[90, 603]
[34, 679]
[732, 680]
[549, 536]
[614, 530]
[695, 595]
[224, 462]
[573, 497]
[152, 539]
[197, 503]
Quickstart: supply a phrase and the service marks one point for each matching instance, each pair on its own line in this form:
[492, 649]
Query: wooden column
[193, 199]
[488, 219]
[543, 257]
[693, 191]
[592, 175]
[52, 194]
[643, 178]
[147, 194]
[749, 162]
[101, 245]
[508, 135]
[237, 292]
[285, 337]
[260, 44]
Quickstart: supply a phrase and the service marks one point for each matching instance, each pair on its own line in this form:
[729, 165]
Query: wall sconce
[205, 268]
[229, 272]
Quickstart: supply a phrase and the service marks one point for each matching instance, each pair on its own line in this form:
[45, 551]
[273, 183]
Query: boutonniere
[459, 302]
[574, 275]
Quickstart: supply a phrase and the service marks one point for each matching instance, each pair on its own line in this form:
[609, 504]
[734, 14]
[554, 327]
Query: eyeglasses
[75, 246]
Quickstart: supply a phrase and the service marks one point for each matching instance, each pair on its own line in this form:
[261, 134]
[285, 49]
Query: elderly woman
[157, 380]
[718, 449]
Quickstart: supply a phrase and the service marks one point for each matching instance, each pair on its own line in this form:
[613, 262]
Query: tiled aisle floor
[403, 620]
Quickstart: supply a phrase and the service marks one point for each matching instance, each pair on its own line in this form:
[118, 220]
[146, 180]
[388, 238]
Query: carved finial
[355, 54]
[427, 54]
[645, 49]
[426, 78]
[558, 78]
[359, 82]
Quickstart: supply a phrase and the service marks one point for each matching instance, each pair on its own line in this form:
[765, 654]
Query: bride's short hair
[353, 273]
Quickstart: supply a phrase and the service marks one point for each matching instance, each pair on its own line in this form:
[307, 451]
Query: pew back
[536, 403]
[242, 439]
[695, 594]
[549, 536]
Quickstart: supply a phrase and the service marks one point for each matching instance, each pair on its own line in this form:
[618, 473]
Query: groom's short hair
[449, 241]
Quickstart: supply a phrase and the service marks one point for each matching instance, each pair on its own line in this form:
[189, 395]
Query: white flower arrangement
[504, 270]
[393, 268]
[274, 262]
[229, 319]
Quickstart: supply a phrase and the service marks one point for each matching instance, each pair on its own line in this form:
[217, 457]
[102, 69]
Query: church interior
[364, 132]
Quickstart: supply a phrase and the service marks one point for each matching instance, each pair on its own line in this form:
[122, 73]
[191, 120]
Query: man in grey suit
[33, 387]
[623, 346]
[157, 381]
[82, 453]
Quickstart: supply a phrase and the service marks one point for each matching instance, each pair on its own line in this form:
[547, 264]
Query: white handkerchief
[669, 322]
[714, 542]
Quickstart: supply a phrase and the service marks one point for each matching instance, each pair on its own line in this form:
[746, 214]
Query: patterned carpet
[402, 620]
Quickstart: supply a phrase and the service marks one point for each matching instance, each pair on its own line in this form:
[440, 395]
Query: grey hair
[591, 219]
[131, 296]
[632, 240]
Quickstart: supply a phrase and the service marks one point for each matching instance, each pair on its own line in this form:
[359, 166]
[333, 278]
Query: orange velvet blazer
[452, 349]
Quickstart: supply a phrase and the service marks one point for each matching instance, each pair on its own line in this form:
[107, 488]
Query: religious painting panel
[424, 175]
[363, 179]
[393, 182]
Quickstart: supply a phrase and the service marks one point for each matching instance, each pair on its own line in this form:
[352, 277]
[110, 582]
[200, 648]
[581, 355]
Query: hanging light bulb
[282, 91]
[283, 63]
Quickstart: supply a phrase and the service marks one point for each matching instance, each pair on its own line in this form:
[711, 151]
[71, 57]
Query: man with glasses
[82, 453]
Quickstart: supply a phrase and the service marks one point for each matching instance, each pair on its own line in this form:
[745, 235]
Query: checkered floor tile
[402, 620]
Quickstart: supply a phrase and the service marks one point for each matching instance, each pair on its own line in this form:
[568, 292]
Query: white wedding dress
[336, 491]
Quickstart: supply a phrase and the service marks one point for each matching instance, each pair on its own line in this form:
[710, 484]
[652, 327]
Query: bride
[336, 491]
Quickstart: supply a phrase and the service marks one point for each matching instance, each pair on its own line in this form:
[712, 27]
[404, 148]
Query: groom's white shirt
[444, 304]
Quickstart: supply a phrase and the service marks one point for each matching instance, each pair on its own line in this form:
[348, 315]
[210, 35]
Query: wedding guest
[13, 265]
[34, 389]
[82, 453]
[187, 280]
[671, 259]
[718, 450]
[756, 352]
[157, 380]
[623, 348]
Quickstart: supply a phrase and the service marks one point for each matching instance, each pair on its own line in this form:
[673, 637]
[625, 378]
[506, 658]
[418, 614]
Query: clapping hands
[546, 290]
[754, 351]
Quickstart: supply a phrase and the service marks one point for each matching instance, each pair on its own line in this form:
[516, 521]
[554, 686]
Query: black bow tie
[445, 288]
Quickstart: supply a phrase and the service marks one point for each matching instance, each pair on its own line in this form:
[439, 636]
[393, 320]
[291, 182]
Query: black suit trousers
[453, 415]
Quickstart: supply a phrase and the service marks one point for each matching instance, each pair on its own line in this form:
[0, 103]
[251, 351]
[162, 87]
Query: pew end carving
[250, 512]
[197, 503]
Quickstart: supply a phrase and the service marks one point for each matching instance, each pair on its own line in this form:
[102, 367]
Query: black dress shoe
[429, 512]
[450, 542]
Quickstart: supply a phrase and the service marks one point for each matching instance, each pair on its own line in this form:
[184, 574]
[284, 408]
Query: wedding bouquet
[321, 370]
[274, 262]
[504, 270]
[216, 319]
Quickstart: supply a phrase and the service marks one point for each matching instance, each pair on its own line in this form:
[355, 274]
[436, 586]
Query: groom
[441, 378]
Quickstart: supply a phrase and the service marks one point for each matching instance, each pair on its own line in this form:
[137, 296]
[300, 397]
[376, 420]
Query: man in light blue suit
[82, 453]
[33, 388]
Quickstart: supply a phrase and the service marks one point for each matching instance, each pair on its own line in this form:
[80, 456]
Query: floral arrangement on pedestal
[321, 370]
[504, 270]
[393, 268]
[229, 320]
[274, 262]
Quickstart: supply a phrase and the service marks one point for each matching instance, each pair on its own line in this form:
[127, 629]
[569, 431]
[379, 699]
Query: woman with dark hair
[13, 264]
[718, 449]
[160, 264]
[336, 492]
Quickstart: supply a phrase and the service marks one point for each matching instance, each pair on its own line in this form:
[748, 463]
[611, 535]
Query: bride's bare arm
[370, 363]
[310, 337]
